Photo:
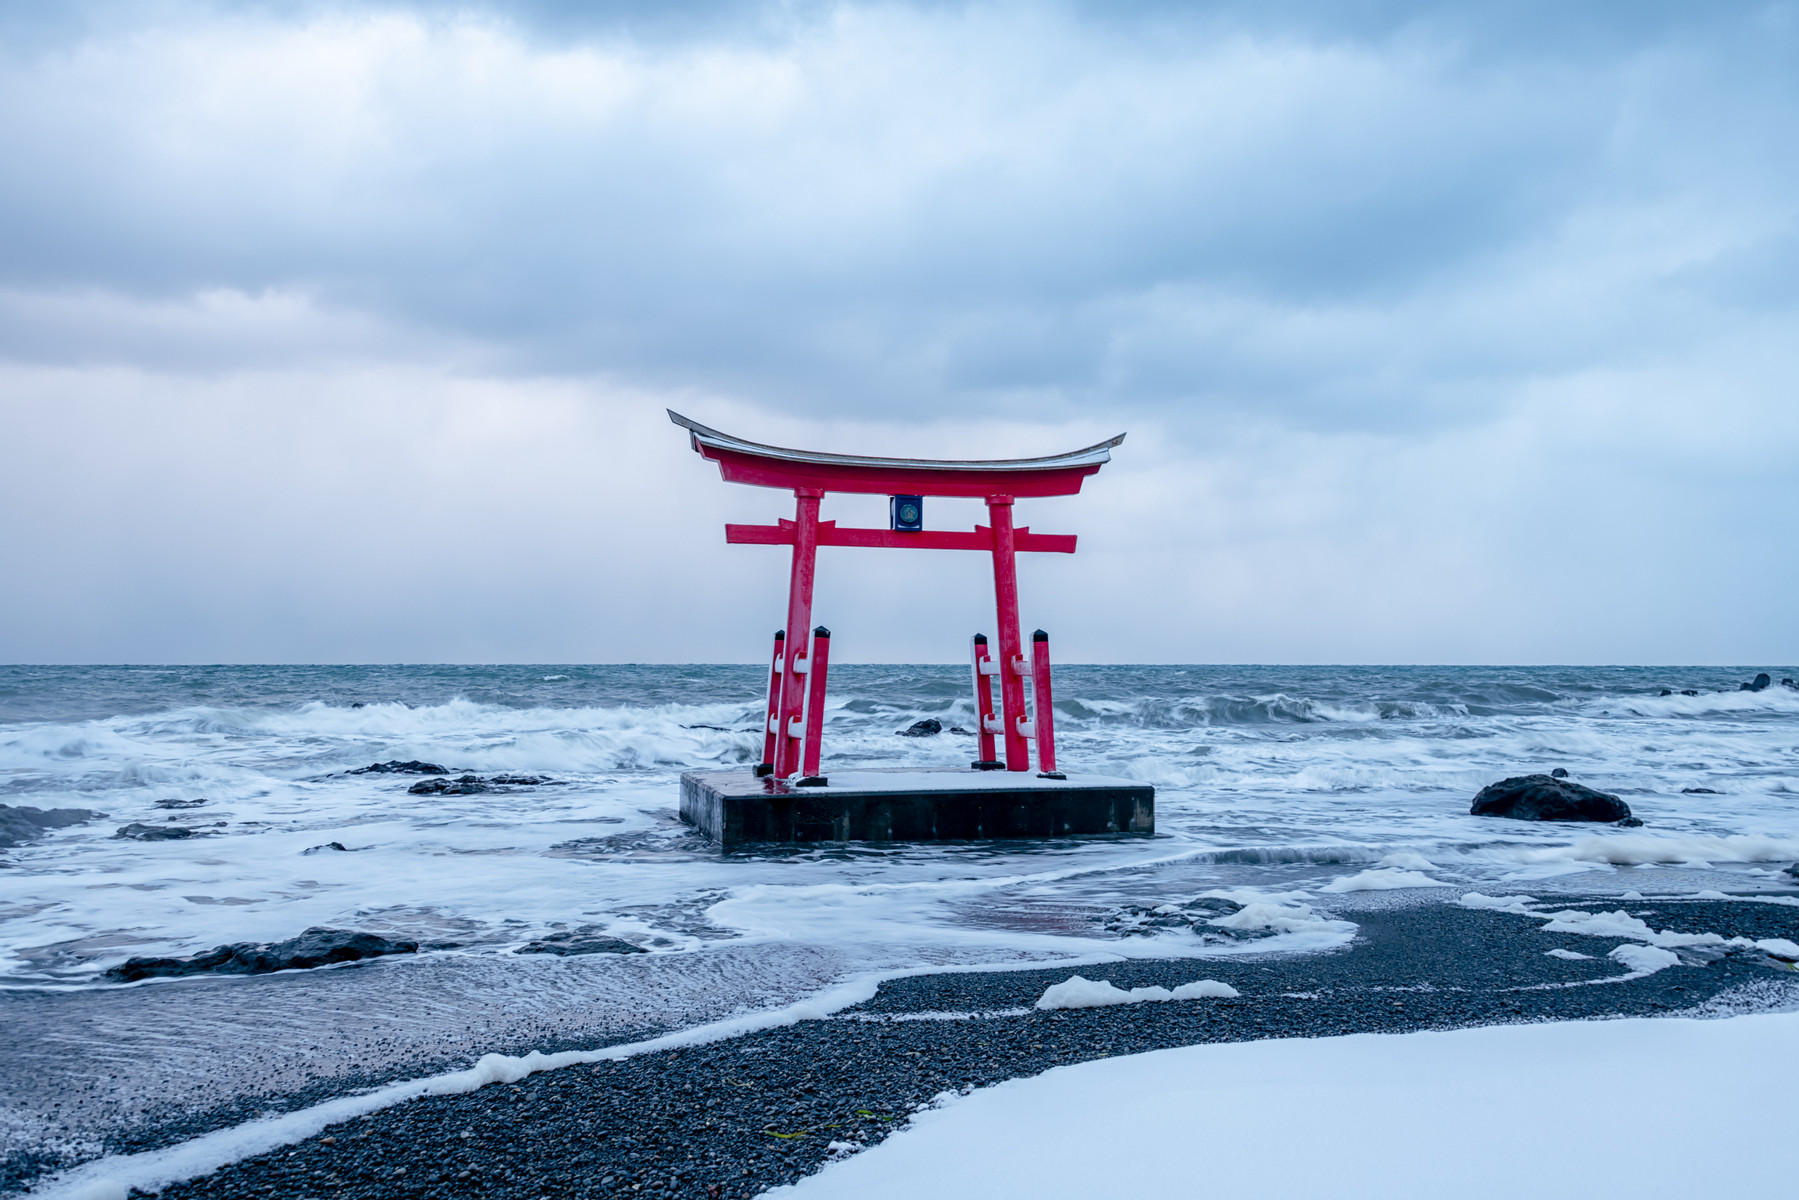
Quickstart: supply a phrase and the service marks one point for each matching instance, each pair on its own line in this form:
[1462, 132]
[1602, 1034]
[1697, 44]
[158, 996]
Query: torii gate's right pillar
[1011, 643]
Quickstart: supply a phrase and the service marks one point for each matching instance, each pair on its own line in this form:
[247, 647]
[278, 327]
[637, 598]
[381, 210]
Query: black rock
[1789, 683]
[22, 823]
[474, 785]
[1546, 798]
[1699, 792]
[411, 766]
[326, 846]
[317, 947]
[137, 831]
[1667, 691]
[1559, 773]
[462, 785]
[1759, 683]
[929, 727]
[181, 803]
[585, 940]
[1792, 870]
[1689, 691]
[1630, 822]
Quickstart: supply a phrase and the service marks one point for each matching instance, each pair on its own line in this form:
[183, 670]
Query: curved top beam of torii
[742, 461]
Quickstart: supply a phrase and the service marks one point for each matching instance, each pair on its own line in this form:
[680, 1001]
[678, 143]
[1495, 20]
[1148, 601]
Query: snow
[1080, 992]
[1570, 1111]
[1567, 955]
[1382, 879]
[1645, 960]
[1779, 947]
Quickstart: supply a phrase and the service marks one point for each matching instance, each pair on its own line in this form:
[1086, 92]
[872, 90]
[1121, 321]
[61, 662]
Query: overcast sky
[1441, 332]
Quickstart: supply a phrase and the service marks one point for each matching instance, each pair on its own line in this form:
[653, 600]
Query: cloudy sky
[1441, 332]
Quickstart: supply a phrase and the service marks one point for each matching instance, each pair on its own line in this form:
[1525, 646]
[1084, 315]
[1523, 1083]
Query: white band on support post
[802, 665]
[796, 727]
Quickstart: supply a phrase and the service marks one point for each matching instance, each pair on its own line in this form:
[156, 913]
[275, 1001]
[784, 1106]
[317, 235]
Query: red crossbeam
[980, 538]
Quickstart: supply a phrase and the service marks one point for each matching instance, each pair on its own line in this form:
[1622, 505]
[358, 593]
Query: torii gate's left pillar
[796, 664]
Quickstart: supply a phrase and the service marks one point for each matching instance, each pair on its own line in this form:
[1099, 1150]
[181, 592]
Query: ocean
[1283, 787]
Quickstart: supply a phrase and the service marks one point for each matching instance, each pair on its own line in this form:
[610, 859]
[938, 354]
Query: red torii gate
[795, 710]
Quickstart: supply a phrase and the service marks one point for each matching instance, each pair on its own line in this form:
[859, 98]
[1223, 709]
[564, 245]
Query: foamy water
[1267, 778]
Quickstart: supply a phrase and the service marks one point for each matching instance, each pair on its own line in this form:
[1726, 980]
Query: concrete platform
[912, 805]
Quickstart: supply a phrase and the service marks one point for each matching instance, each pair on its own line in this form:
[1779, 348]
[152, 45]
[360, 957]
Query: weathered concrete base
[947, 804]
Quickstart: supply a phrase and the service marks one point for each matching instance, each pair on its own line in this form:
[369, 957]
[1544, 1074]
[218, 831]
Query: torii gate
[795, 713]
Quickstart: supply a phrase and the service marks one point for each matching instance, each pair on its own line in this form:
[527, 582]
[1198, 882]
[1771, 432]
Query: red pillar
[772, 711]
[817, 663]
[1043, 707]
[799, 621]
[1011, 646]
[986, 724]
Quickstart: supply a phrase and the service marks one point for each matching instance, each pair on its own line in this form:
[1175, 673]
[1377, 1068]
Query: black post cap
[822, 632]
[980, 639]
[1040, 636]
[780, 635]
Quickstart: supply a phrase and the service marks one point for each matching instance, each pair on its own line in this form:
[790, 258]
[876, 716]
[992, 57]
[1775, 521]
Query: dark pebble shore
[733, 1118]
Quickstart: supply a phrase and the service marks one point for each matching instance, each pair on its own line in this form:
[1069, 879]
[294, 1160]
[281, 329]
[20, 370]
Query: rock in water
[1546, 798]
[929, 727]
[394, 766]
[317, 947]
[585, 940]
[181, 803]
[1559, 773]
[462, 785]
[22, 823]
[137, 831]
[326, 846]
[1760, 683]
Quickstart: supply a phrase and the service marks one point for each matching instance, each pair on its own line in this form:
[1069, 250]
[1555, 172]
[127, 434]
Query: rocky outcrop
[929, 727]
[22, 823]
[474, 785]
[317, 947]
[1760, 683]
[1546, 798]
[588, 939]
[394, 766]
[137, 831]
[1559, 773]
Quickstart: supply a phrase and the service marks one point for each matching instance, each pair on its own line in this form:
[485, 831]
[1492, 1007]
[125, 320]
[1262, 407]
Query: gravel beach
[732, 1118]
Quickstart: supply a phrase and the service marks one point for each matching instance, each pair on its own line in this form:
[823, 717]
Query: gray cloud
[1489, 253]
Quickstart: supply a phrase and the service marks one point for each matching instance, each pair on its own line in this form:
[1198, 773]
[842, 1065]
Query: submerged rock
[1792, 870]
[929, 727]
[181, 803]
[394, 766]
[22, 823]
[316, 947]
[586, 940]
[474, 785]
[1700, 792]
[1546, 798]
[326, 846]
[137, 831]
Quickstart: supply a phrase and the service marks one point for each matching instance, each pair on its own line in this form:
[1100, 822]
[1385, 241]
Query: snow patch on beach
[1375, 1115]
[1080, 992]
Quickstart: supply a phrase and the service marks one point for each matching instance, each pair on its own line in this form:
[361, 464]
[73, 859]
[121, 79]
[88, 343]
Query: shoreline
[736, 1116]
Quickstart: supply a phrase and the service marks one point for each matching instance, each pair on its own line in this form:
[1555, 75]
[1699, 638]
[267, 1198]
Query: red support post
[799, 619]
[986, 724]
[1011, 649]
[817, 662]
[1043, 708]
[773, 711]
